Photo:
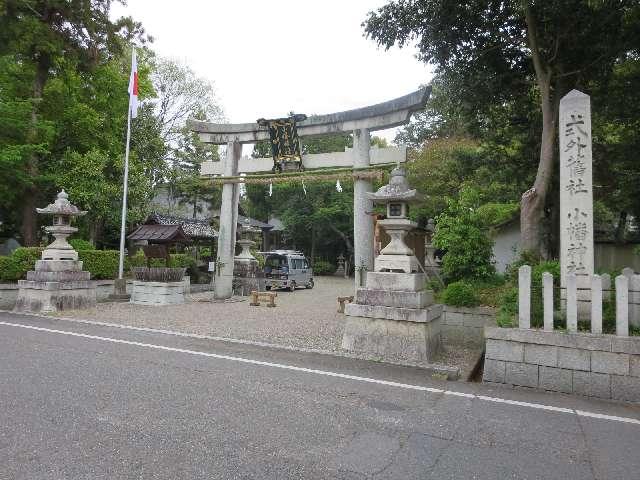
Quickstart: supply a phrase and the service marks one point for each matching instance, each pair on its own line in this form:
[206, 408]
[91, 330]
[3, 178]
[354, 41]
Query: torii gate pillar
[362, 207]
[228, 224]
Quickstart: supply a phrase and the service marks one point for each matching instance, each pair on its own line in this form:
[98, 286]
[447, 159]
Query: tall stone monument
[393, 317]
[576, 195]
[58, 282]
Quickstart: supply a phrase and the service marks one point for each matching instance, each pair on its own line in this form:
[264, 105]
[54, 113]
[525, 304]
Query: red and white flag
[133, 86]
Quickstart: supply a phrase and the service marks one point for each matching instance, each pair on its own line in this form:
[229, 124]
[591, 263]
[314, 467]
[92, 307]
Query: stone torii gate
[360, 121]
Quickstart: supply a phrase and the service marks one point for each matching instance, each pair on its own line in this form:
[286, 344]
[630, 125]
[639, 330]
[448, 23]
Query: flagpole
[124, 195]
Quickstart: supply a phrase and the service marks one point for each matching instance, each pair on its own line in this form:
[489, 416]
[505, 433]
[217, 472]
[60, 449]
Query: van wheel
[267, 287]
[292, 287]
[310, 284]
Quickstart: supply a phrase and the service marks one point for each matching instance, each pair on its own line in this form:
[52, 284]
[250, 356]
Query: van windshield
[276, 262]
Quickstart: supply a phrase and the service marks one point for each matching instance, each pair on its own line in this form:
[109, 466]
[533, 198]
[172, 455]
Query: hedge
[103, 264]
[80, 244]
[9, 270]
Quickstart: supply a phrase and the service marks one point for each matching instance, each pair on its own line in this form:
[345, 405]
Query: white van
[287, 269]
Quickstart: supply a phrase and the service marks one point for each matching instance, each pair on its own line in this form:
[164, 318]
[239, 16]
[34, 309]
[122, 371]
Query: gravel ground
[305, 319]
[302, 319]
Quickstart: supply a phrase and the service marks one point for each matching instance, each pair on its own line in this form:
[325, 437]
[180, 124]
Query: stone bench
[342, 301]
[257, 297]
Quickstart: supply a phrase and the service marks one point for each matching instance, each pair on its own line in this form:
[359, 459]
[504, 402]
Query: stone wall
[104, 288]
[603, 366]
[157, 293]
[465, 326]
[8, 295]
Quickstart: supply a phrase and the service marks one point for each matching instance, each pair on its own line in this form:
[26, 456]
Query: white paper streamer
[304, 188]
[270, 189]
[338, 186]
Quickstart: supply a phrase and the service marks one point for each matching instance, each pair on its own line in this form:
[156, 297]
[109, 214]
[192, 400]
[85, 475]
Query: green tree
[88, 150]
[320, 221]
[180, 95]
[39, 36]
[497, 52]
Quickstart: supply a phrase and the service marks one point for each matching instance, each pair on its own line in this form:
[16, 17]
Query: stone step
[394, 298]
[410, 282]
[420, 315]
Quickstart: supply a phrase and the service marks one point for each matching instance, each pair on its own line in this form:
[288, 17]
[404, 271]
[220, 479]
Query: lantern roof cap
[396, 190]
[62, 206]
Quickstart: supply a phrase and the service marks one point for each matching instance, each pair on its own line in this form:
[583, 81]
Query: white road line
[331, 374]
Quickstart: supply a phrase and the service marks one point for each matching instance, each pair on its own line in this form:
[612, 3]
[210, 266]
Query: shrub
[465, 239]
[460, 294]
[321, 267]
[508, 310]
[259, 257]
[9, 270]
[80, 244]
[103, 264]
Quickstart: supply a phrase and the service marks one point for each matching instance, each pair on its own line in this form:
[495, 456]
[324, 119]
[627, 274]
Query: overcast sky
[269, 57]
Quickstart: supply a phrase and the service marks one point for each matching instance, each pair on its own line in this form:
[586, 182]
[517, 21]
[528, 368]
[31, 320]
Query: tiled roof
[193, 228]
[160, 234]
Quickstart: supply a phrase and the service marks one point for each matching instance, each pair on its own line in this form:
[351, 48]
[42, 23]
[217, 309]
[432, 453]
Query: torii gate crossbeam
[360, 122]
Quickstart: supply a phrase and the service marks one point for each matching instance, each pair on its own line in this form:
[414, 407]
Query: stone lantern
[394, 317]
[63, 211]
[58, 281]
[245, 265]
[396, 256]
[246, 242]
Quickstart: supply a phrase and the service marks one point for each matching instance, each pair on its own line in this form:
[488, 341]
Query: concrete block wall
[603, 366]
[465, 326]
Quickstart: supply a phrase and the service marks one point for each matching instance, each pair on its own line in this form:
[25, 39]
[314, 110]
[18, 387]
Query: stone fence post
[622, 306]
[596, 304]
[524, 296]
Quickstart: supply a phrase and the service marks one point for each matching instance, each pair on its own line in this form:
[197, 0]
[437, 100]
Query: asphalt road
[81, 401]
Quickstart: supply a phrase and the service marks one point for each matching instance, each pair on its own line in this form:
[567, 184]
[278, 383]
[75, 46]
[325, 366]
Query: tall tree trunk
[313, 244]
[621, 228]
[29, 198]
[95, 230]
[533, 200]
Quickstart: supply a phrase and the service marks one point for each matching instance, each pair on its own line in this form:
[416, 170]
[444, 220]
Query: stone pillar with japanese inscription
[576, 195]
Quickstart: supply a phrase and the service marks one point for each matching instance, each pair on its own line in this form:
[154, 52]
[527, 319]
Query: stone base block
[46, 297]
[60, 276]
[392, 340]
[391, 298]
[59, 254]
[415, 315]
[58, 265]
[157, 293]
[411, 282]
[119, 293]
[396, 263]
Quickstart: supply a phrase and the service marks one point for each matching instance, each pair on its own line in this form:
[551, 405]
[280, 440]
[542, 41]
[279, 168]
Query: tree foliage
[498, 54]
[463, 234]
[44, 40]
